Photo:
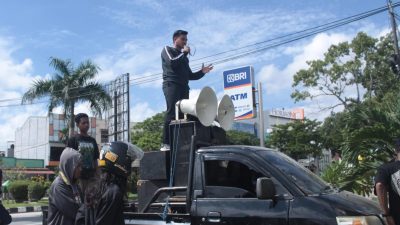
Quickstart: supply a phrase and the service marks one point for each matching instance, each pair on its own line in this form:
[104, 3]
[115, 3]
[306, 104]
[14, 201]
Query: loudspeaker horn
[226, 112]
[204, 107]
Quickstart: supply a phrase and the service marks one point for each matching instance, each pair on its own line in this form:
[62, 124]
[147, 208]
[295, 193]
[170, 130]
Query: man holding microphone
[176, 76]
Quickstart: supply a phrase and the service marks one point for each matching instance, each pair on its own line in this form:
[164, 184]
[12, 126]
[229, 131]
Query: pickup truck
[210, 183]
[252, 185]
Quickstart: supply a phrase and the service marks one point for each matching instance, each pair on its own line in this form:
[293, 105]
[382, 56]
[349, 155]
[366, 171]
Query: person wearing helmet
[105, 205]
[64, 193]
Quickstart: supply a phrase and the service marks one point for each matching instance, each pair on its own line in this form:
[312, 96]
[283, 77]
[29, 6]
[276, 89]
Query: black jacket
[64, 195]
[5, 217]
[109, 210]
[176, 68]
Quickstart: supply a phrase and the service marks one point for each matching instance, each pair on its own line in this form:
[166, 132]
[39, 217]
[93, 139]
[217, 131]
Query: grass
[132, 196]
[11, 203]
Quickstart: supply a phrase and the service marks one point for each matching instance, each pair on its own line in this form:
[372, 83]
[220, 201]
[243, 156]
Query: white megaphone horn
[204, 107]
[226, 112]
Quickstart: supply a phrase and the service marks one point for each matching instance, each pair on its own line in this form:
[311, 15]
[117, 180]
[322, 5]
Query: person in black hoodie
[104, 205]
[176, 76]
[64, 193]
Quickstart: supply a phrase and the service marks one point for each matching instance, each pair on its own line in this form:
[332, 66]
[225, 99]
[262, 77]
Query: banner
[238, 84]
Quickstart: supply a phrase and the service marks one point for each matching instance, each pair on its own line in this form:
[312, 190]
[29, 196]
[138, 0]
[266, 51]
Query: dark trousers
[173, 92]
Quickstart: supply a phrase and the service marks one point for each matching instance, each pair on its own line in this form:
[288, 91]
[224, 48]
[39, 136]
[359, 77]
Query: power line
[260, 49]
[306, 33]
[320, 27]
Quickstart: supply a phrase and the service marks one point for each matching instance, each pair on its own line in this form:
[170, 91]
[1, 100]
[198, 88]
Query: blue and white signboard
[238, 84]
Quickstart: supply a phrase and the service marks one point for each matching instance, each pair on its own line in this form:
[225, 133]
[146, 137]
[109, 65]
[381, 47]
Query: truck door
[227, 193]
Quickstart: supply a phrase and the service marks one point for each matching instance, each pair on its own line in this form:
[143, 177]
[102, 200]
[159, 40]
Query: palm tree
[69, 86]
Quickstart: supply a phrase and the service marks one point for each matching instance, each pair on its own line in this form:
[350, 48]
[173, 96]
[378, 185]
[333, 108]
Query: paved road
[32, 218]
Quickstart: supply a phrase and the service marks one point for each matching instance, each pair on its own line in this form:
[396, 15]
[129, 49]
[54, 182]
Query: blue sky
[124, 36]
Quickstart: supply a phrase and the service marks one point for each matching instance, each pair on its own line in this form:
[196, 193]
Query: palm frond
[86, 71]
[39, 89]
[97, 95]
[63, 66]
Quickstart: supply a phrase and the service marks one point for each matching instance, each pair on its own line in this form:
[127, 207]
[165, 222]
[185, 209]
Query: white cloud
[141, 59]
[276, 80]
[141, 111]
[210, 31]
[13, 75]
[79, 108]
[15, 78]
[13, 118]
[194, 93]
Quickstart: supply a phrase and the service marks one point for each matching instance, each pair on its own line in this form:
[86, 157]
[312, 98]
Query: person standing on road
[64, 193]
[387, 182]
[176, 76]
[86, 145]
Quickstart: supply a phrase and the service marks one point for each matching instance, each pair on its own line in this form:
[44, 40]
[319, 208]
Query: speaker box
[153, 165]
[146, 190]
[181, 144]
[181, 174]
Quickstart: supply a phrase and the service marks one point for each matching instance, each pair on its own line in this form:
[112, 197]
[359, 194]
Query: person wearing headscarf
[64, 193]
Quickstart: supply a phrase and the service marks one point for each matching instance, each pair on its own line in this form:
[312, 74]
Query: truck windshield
[307, 181]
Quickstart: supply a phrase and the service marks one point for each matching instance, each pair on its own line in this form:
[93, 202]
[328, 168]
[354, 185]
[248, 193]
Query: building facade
[43, 137]
[272, 118]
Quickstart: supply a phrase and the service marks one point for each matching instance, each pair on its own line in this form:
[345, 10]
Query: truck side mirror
[265, 188]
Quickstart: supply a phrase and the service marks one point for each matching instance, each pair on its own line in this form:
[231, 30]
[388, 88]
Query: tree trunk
[71, 120]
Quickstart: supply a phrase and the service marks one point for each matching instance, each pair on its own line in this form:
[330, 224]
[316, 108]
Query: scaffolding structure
[117, 117]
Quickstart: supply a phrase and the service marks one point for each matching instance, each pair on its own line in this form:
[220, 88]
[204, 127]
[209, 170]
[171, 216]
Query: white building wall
[36, 136]
[31, 140]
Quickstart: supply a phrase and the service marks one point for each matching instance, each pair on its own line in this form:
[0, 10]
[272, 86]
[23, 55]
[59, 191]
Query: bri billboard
[238, 84]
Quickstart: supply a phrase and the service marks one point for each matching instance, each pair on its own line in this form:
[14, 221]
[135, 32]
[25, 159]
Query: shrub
[19, 190]
[36, 191]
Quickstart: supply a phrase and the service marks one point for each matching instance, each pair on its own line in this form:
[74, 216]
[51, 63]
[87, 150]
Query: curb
[27, 209]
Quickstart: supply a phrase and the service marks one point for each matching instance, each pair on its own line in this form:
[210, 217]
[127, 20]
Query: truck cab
[252, 185]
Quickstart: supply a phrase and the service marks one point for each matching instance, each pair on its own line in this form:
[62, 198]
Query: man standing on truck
[387, 182]
[176, 76]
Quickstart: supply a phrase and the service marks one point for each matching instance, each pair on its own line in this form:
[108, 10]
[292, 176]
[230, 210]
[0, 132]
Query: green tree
[297, 139]
[366, 129]
[360, 65]
[148, 134]
[235, 137]
[332, 135]
[69, 86]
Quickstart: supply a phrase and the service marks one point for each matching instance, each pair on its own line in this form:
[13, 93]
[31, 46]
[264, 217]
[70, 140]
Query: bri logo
[235, 77]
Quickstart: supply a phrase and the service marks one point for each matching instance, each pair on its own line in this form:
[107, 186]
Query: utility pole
[261, 115]
[394, 33]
